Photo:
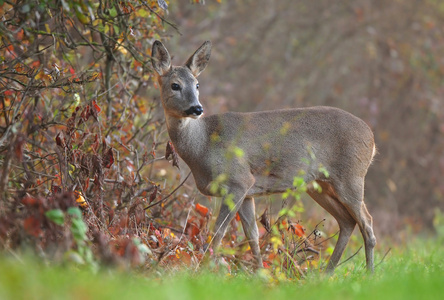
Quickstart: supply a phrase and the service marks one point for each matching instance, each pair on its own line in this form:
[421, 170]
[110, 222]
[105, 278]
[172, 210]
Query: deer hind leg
[248, 219]
[327, 199]
[352, 197]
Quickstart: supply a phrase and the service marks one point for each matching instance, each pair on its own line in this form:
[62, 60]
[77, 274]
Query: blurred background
[380, 60]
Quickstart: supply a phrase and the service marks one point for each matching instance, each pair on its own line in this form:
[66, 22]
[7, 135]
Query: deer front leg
[230, 206]
[248, 218]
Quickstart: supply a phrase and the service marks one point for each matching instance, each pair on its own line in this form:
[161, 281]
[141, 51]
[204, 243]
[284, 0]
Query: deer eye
[197, 86]
[175, 87]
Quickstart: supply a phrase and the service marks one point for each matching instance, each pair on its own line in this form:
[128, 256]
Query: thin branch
[162, 18]
[67, 83]
[329, 238]
[36, 173]
[350, 257]
[186, 222]
[382, 260]
[166, 197]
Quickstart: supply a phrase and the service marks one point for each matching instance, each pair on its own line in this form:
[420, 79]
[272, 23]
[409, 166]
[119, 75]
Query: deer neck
[188, 136]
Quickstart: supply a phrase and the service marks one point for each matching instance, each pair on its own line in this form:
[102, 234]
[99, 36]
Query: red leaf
[85, 187]
[184, 257]
[265, 221]
[28, 200]
[97, 107]
[297, 229]
[19, 144]
[237, 217]
[202, 210]
[60, 141]
[55, 189]
[32, 226]
[108, 158]
[85, 114]
[153, 151]
[192, 229]
[93, 110]
[95, 146]
[153, 195]
[170, 151]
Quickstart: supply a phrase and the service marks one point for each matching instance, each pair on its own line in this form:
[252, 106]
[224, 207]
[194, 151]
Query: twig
[186, 221]
[302, 260]
[169, 195]
[308, 249]
[35, 172]
[382, 260]
[329, 238]
[139, 129]
[350, 257]
[170, 228]
[306, 239]
[162, 18]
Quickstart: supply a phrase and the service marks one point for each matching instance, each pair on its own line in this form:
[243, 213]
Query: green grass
[415, 272]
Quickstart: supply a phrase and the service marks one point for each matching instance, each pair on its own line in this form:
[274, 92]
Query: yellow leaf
[80, 200]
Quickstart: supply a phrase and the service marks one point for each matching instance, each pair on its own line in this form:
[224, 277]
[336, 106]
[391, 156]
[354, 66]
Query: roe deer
[270, 148]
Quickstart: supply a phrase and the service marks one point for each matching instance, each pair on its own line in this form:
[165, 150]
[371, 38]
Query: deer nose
[196, 110]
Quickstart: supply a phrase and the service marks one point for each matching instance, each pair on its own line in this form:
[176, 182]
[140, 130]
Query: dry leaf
[202, 210]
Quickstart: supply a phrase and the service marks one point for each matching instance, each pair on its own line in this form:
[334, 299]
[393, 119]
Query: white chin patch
[193, 116]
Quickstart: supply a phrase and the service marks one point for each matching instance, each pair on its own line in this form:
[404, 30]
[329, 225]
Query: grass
[414, 272]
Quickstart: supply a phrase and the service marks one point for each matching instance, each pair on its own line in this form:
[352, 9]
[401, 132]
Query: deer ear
[160, 58]
[199, 60]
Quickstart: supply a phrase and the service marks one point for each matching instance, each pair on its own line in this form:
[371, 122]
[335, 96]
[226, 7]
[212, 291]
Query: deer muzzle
[195, 110]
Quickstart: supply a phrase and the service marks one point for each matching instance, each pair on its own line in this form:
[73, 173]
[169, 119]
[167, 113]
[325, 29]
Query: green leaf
[79, 229]
[324, 171]
[81, 16]
[113, 12]
[75, 212]
[190, 246]
[116, 29]
[298, 181]
[143, 13]
[56, 215]
[283, 212]
[317, 187]
[239, 152]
